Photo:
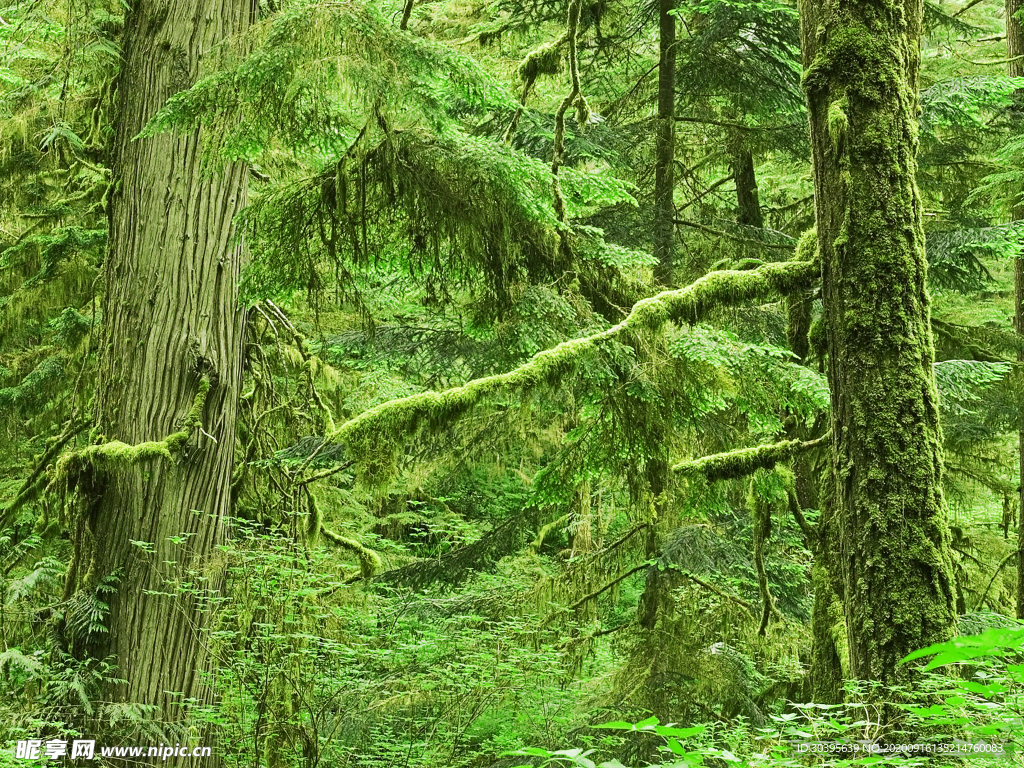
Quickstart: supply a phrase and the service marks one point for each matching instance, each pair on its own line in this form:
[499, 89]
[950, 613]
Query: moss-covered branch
[374, 437]
[33, 487]
[114, 454]
[369, 561]
[601, 590]
[745, 461]
[721, 593]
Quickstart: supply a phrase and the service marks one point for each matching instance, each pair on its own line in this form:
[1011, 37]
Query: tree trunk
[172, 325]
[665, 145]
[1014, 49]
[747, 201]
[861, 60]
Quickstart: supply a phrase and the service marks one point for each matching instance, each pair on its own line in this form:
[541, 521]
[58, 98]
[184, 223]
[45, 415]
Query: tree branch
[734, 464]
[735, 238]
[374, 437]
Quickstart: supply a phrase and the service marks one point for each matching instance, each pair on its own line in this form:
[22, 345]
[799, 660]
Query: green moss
[838, 123]
[114, 455]
[837, 631]
[544, 60]
[369, 561]
[743, 462]
[807, 245]
[538, 542]
[891, 547]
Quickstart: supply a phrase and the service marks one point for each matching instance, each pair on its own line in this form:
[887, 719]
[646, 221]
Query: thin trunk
[861, 60]
[830, 658]
[747, 201]
[828, 649]
[665, 145]
[1014, 49]
[172, 325]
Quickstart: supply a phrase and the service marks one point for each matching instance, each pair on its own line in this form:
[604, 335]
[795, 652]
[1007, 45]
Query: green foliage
[960, 381]
[966, 101]
[315, 72]
[502, 376]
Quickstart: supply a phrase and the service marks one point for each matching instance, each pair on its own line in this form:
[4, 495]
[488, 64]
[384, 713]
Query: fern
[14, 661]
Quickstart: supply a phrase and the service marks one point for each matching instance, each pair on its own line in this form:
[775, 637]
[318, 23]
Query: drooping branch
[720, 592]
[742, 462]
[601, 590]
[374, 437]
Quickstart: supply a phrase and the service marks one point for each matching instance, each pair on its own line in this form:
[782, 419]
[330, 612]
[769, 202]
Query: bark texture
[861, 60]
[172, 329]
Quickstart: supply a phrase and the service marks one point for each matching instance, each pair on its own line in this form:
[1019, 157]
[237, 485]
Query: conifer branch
[374, 437]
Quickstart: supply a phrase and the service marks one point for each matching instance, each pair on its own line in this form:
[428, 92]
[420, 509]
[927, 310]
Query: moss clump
[838, 123]
[545, 60]
[807, 245]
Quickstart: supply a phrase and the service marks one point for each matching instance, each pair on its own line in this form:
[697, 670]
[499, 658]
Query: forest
[511, 383]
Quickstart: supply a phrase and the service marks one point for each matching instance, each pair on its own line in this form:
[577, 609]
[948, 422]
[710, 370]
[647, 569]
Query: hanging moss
[375, 437]
[544, 60]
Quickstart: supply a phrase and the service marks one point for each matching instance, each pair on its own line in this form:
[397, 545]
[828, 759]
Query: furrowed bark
[172, 330]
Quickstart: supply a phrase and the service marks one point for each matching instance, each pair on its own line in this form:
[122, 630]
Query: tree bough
[374, 438]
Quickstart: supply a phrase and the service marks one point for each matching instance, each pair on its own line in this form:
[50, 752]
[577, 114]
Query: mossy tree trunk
[665, 144]
[172, 326]
[1014, 50]
[861, 60]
